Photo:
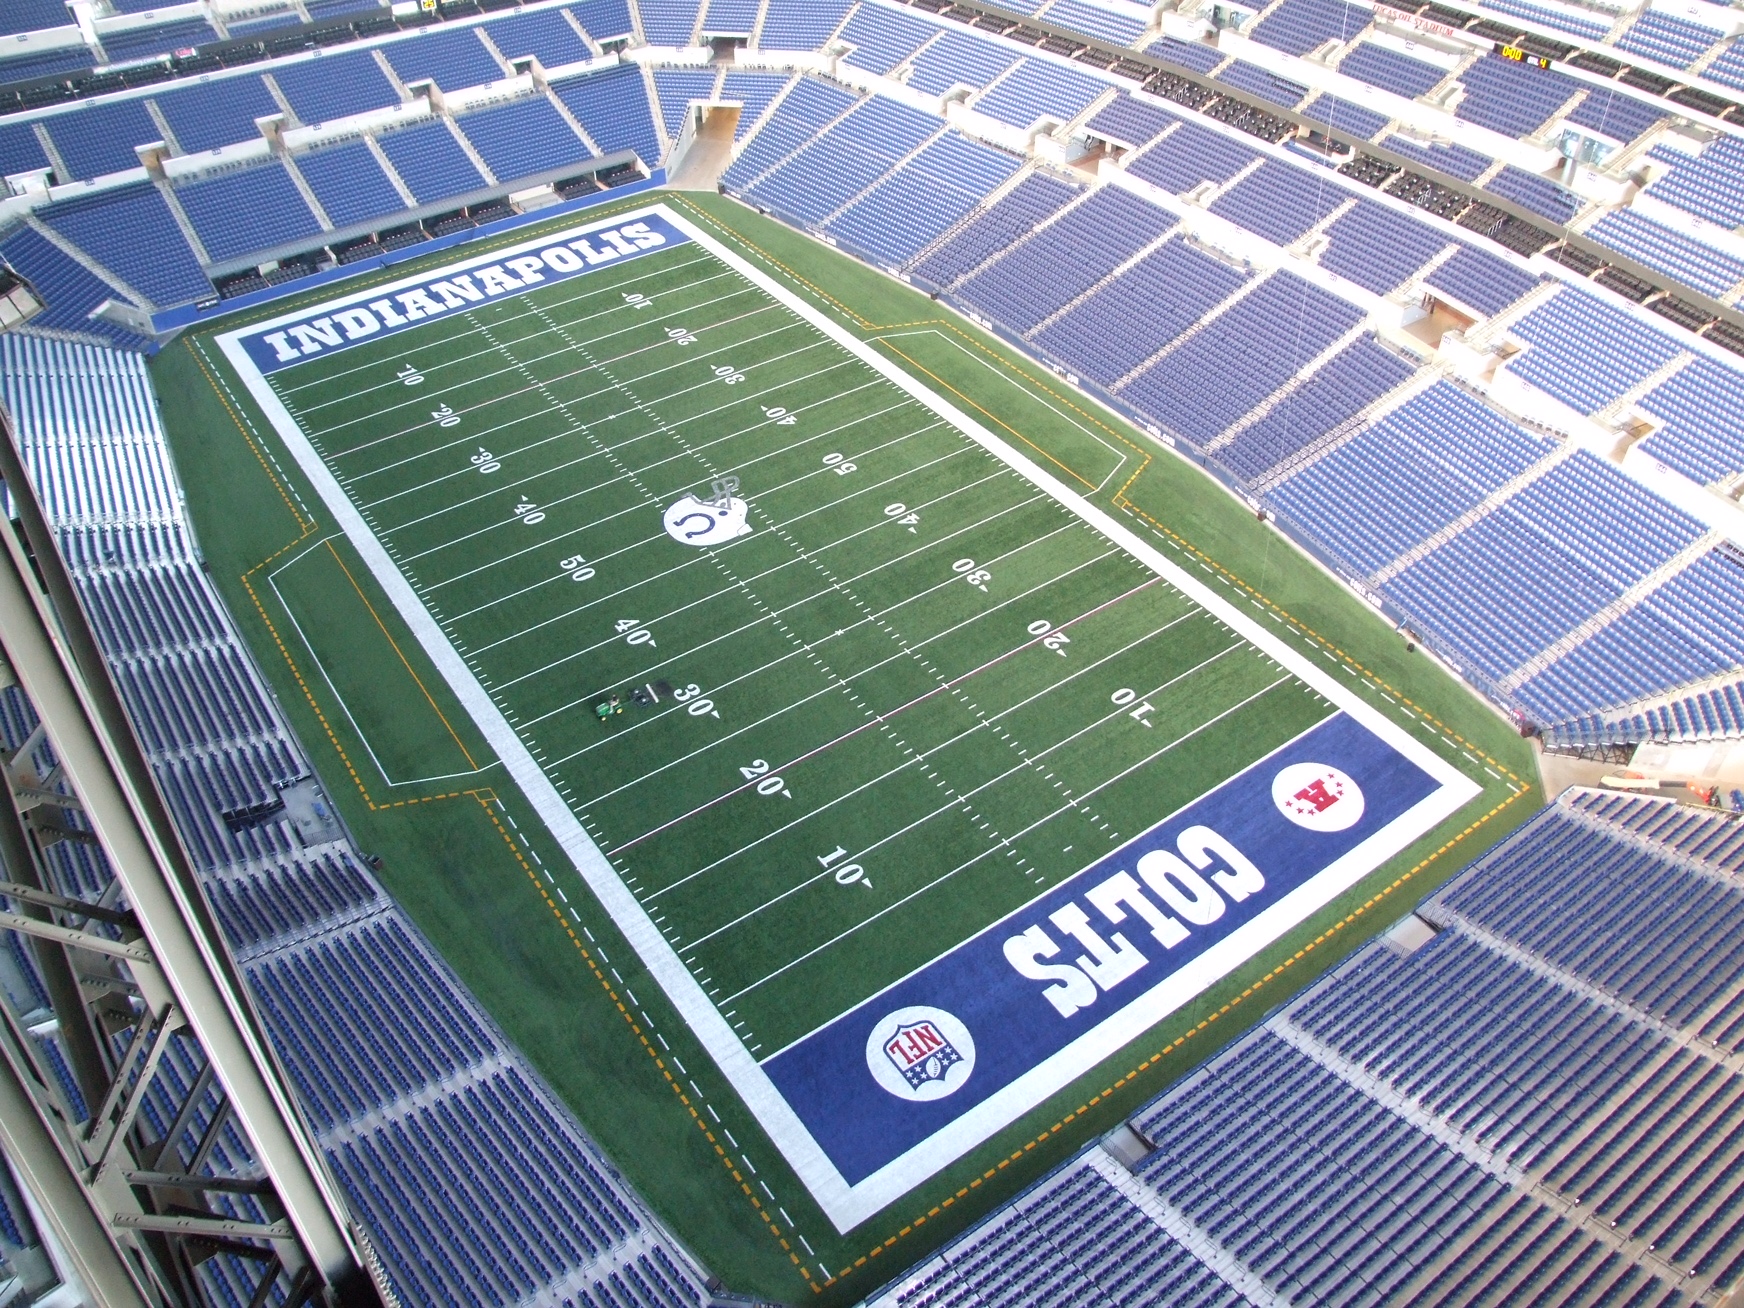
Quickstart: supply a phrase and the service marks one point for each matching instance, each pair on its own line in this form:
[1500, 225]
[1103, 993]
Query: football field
[919, 784]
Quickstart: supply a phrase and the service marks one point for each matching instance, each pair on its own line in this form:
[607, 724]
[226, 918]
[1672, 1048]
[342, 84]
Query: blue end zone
[907, 1063]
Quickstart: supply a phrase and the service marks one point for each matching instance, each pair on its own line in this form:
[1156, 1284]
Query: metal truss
[140, 1103]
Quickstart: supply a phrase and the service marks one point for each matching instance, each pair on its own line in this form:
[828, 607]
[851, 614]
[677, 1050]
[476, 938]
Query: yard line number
[849, 873]
[767, 782]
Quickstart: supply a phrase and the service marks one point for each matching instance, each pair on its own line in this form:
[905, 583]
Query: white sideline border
[848, 1205]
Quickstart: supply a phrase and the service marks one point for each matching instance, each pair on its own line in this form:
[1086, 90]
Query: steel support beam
[54, 655]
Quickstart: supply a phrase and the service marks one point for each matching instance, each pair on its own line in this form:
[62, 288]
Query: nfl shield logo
[921, 1053]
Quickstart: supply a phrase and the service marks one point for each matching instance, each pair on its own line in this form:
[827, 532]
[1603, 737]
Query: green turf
[449, 863]
[916, 658]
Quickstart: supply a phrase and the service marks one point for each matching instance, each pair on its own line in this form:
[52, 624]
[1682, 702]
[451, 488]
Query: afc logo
[1318, 797]
[920, 1053]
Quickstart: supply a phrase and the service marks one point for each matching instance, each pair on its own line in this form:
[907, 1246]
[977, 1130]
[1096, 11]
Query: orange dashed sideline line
[486, 799]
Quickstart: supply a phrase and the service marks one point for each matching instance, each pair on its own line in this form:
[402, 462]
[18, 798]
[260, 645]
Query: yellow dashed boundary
[1120, 500]
[486, 799]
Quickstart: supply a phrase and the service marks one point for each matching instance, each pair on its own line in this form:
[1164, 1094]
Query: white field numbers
[695, 702]
[975, 576]
[903, 515]
[848, 874]
[1126, 695]
[768, 783]
[729, 374]
[1051, 639]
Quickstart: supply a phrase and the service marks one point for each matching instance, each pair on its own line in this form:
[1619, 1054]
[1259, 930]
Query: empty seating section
[1123, 324]
[33, 15]
[1480, 280]
[68, 289]
[1568, 889]
[884, 38]
[1073, 1239]
[1356, 377]
[1702, 411]
[668, 22]
[1585, 352]
[1589, 29]
[1643, 653]
[1586, 506]
[1037, 88]
[1467, 591]
[131, 232]
[335, 86]
[350, 184]
[100, 138]
[1280, 202]
[1510, 98]
[612, 108]
[1671, 252]
[1536, 193]
[729, 17]
[1189, 54]
[1675, 41]
[1454, 160]
[1278, 328]
[1318, 1186]
[453, 59]
[1031, 202]
[754, 92]
[1267, 85]
[1728, 69]
[431, 162]
[1620, 117]
[140, 43]
[1299, 27]
[1406, 477]
[475, 1185]
[1104, 24]
[523, 139]
[20, 151]
[603, 20]
[676, 89]
[1345, 116]
[1390, 70]
[935, 189]
[1711, 185]
[958, 59]
[851, 157]
[1189, 155]
[247, 210]
[221, 112]
[1065, 259]
[795, 123]
[547, 35]
[800, 24]
[50, 63]
[1128, 122]
[1379, 249]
